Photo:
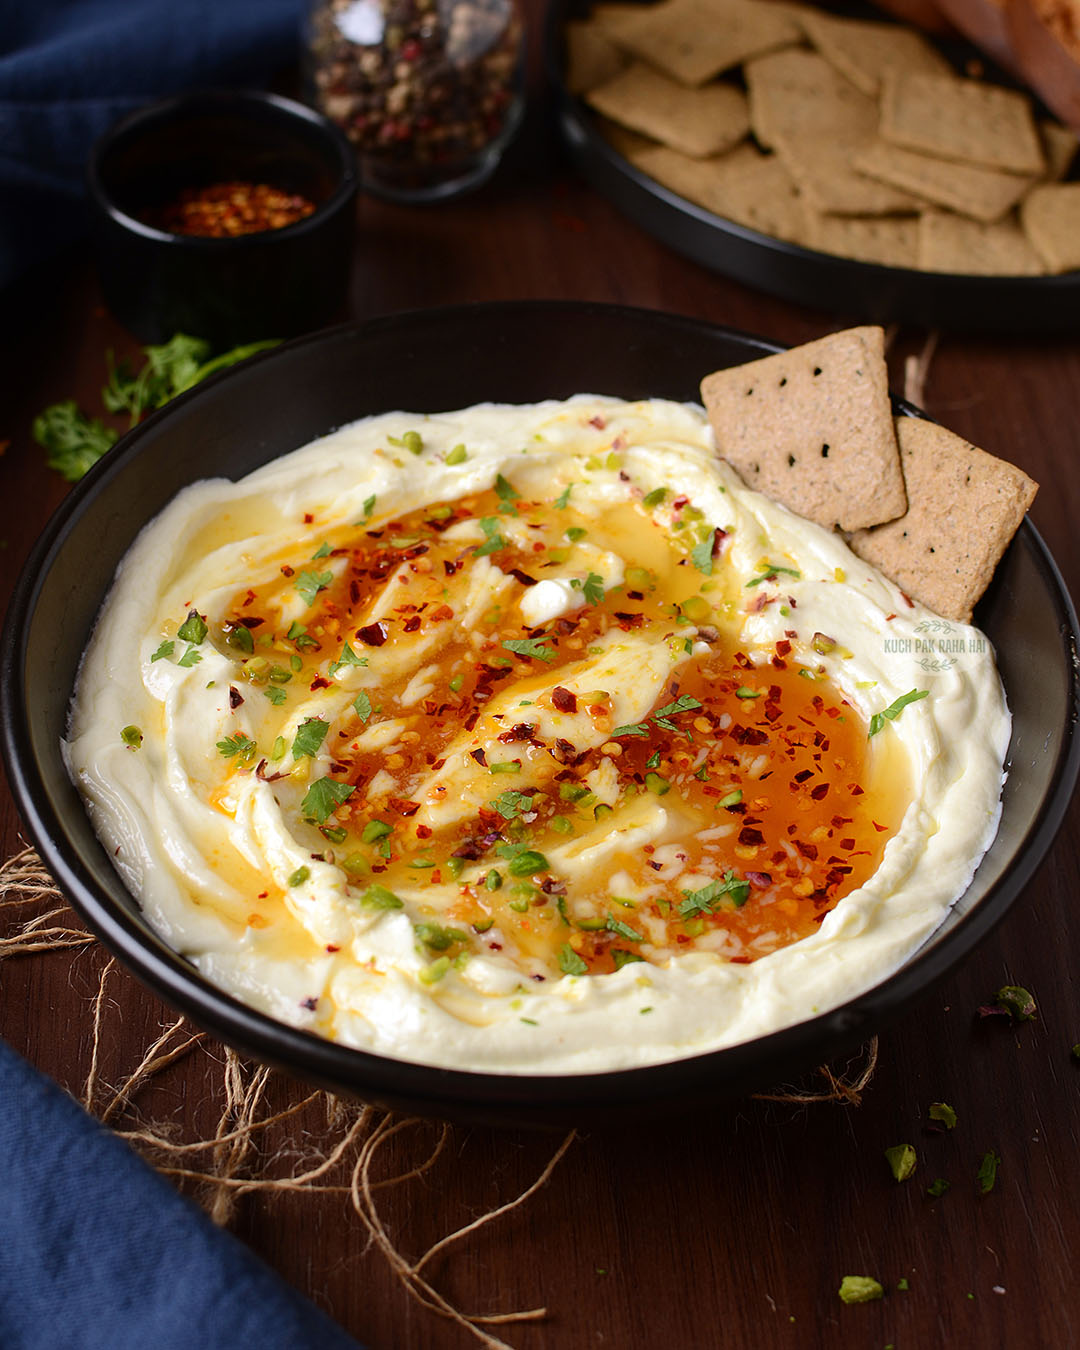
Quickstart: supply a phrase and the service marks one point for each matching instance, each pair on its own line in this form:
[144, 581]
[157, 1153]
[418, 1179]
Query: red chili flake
[908, 600]
[423, 831]
[598, 422]
[411, 625]
[520, 731]
[235, 697]
[248, 599]
[564, 699]
[629, 620]
[437, 765]
[523, 577]
[566, 626]
[750, 837]
[791, 633]
[783, 647]
[309, 1003]
[855, 789]
[679, 503]
[308, 518]
[565, 749]
[809, 851]
[372, 634]
[880, 828]
[889, 618]
[263, 894]
[761, 881]
[847, 844]
[471, 721]
[743, 661]
[332, 947]
[710, 791]
[656, 867]
[820, 792]
[286, 570]
[778, 663]
[772, 711]
[480, 756]
[403, 806]
[450, 567]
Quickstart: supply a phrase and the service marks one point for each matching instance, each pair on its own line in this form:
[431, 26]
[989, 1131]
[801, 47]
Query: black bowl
[427, 362]
[272, 284]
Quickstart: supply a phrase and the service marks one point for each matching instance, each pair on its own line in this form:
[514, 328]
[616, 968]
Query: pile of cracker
[852, 137]
[813, 428]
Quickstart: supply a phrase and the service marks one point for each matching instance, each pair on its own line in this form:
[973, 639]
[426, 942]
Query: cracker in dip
[528, 739]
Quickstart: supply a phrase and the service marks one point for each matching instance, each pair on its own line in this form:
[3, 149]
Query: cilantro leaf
[562, 501]
[362, 705]
[193, 629]
[943, 1112]
[624, 930]
[510, 802]
[533, 647]
[893, 711]
[704, 900]
[622, 958]
[631, 729]
[191, 657]
[593, 589]
[569, 961]
[310, 735]
[937, 1188]
[702, 554]
[323, 798]
[164, 649]
[369, 507]
[506, 494]
[774, 570]
[494, 540]
[309, 584]
[238, 747]
[275, 694]
[682, 704]
[347, 658]
[323, 551]
[74, 442]
[902, 1160]
[860, 1289]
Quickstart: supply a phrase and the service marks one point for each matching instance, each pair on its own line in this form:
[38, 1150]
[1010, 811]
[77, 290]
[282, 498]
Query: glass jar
[429, 91]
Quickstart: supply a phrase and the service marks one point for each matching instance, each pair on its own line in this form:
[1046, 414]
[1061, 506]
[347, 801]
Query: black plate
[820, 280]
[429, 362]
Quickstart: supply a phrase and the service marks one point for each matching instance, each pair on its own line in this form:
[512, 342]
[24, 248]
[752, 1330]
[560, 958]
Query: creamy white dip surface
[203, 747]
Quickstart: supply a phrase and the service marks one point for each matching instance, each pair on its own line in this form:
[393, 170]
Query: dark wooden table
[733, 1231]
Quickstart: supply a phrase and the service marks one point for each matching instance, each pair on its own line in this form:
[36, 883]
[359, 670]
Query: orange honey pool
[777, 806]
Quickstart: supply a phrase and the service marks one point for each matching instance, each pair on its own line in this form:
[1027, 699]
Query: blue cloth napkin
[70, 68]
[98, 1252]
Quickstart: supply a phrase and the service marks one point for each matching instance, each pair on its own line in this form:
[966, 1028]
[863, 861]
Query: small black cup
[270, 284]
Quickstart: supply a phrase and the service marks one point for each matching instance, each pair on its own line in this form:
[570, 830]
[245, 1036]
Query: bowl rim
[241, 103]
[441, 1090]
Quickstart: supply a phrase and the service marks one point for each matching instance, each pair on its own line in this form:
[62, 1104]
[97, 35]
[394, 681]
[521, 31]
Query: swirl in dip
[527, 739]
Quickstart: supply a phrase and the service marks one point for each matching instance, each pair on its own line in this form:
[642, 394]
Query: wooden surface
[733, 1231]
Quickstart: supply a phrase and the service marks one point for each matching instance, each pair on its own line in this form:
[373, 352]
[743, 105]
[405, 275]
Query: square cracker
[962, 120]
[1059, 149]
[890, 241]
[699, 122]
[951, 243]
[695, 40]
[744, 185]
[591, 57]
[863, 51]
[982, 194]
[813, 429]
[817, 120]
[1051, 220]
[963, 508]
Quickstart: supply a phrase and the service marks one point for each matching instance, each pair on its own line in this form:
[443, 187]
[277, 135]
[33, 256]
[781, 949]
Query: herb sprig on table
[76, 441]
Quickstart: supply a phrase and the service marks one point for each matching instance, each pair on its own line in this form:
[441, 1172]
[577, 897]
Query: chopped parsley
[238, 747]
[509, 803]
[592, 588]
[493, 538]
[275, 694]
[369, 507]
[661, 717]
[562, 501]
[310, 735]
[893, 711]
[614, 925]
[347, 658]
[309, 584]
[322, 551]
[623, 958]
[702, 555]
[771, 572]
[323, 798]
[569, 961]
[532, 647]
[362, 705]
[703, 901]
[936, 1189]
[506, 494]
[164, 650]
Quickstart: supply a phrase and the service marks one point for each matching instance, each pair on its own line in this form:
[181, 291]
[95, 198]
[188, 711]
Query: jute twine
[264, 1139]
